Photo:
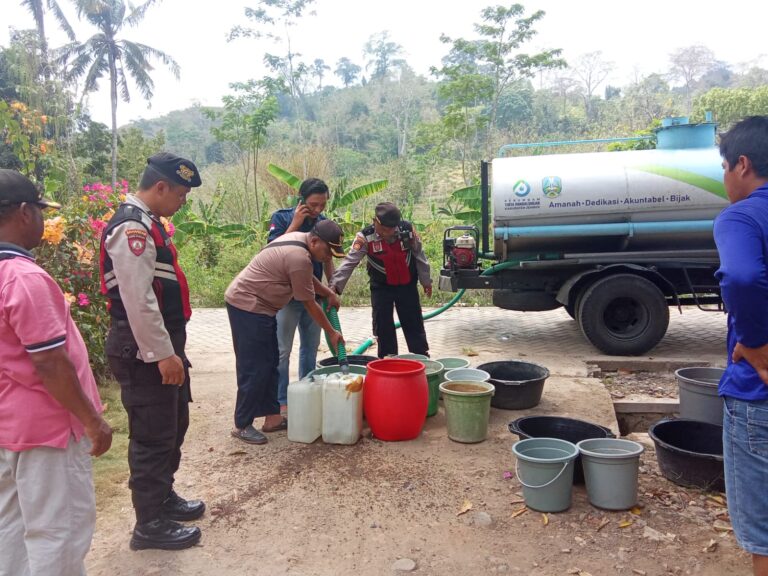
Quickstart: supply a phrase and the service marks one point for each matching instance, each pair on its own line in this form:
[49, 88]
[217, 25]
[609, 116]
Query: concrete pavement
[483, 334]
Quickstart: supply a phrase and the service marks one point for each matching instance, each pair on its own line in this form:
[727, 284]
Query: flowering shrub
[70, 253]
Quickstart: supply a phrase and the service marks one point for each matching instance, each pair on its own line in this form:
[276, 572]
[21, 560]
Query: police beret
[176, 169]
[387, 214]
[16, 188]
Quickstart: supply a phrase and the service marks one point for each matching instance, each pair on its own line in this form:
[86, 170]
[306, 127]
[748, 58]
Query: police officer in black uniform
[149, 305]
[396, 262]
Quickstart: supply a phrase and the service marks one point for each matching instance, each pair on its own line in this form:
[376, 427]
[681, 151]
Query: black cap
[16, 188]
[330, 233]
[176, 169]
[387, 214]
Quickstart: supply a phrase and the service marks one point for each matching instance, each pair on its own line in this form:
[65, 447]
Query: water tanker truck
[615, 238]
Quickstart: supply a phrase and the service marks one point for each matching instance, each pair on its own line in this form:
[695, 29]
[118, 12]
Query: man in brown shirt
[281, 271]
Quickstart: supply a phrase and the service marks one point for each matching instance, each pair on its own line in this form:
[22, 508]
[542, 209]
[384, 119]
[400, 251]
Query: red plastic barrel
[395, 397]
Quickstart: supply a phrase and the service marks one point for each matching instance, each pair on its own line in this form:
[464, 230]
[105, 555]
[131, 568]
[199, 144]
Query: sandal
[250, 435]
[282, 426]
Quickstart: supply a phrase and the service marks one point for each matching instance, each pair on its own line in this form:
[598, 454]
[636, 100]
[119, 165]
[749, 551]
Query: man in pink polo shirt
[50, 411]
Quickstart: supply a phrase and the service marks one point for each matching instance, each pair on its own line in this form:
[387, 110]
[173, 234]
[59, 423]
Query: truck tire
[623, 314]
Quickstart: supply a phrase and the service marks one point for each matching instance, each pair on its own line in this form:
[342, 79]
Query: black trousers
[254, 337]
[158, 418]
[406, 300]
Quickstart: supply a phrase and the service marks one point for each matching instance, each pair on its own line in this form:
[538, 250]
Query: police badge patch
[137, 241]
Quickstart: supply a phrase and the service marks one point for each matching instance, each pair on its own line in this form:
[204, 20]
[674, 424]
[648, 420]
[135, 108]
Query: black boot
[176, 508]
[164, 534]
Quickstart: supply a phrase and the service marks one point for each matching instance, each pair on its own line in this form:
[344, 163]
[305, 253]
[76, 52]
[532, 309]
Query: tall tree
[497, 57]
[38, 8]
[119, 59]
[688, 65]
[382, 55]
[347, 71]
[591, 70]
[319, 68]
[266, 16]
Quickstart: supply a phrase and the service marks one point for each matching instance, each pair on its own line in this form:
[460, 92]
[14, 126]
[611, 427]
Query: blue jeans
[292, 315]
[745, 451]
[255, 342]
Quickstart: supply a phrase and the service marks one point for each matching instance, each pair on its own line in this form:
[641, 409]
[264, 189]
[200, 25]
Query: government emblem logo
[521, 188]
[552, 186]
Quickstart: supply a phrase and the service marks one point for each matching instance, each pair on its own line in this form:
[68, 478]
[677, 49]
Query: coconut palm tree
[119, 59]
[38, 8]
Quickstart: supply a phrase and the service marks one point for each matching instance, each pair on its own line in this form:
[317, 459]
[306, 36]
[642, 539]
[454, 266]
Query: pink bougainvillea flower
[170, 229]
[82, 300]
[97, 225]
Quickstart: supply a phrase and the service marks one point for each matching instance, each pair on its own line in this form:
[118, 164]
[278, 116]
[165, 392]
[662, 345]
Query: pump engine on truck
[615, 238]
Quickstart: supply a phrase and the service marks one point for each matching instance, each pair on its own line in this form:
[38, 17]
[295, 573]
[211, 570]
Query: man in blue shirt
[313, 196]
[741, 234]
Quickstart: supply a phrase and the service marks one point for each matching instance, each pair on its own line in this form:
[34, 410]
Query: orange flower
[54, 230]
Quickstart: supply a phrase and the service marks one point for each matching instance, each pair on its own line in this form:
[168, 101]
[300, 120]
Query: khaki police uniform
[149, 304]
[394, 269]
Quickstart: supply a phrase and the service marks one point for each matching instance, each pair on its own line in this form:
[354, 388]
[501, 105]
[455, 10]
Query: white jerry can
[342, 408]
[305, 410]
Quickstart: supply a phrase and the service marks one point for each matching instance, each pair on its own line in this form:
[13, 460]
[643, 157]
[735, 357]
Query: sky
[636, 36]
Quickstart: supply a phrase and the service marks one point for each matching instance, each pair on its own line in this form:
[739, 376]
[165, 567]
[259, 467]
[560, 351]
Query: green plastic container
[434, 371]
[325, 370]
[453, 363]
[610, 471]
[411, 356]
[545, 469]
[467, 409]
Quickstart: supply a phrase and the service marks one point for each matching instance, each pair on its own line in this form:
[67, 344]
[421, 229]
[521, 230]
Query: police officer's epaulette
[368, 230]
[128, 212]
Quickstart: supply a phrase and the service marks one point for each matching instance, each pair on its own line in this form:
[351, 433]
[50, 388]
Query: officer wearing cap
[282, 271]
[313, 196]
[149, 305]
[395, 261]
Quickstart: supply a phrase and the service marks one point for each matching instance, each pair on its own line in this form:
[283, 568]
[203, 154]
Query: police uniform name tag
[137, 241]
[377, 247]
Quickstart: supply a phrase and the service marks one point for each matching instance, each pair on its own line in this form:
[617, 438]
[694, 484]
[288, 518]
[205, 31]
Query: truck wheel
[623, 314]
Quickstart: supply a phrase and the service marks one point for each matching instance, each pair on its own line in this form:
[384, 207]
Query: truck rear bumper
[453, 281]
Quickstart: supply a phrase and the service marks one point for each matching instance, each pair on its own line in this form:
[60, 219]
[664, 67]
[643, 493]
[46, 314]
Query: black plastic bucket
[354, 359]
[690, 452]
[569, 429]
[519, 385]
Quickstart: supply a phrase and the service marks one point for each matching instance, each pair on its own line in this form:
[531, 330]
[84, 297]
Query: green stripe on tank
[709, 184]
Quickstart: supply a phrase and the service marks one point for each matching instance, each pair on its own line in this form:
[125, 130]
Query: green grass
[110, 470]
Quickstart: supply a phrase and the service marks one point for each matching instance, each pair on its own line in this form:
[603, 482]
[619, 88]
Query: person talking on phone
[313, 197]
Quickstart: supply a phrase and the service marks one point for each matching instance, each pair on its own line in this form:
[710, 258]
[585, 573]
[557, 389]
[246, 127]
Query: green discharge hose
[487, 272]
[333, 317]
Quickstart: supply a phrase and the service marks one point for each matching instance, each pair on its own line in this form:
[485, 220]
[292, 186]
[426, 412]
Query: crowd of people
[51, 420]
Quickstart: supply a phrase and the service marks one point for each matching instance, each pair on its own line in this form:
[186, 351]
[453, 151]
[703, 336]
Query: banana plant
[206, 221]
[341, 199]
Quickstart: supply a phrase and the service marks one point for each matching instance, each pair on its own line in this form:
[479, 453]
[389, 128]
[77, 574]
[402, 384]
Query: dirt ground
[625, 383]
[288, 508]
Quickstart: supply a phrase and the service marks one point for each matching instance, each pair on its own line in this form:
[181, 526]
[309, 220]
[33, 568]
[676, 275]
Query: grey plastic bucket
[610, 471]
[545, 469]
[697, 388]
[451, 363]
